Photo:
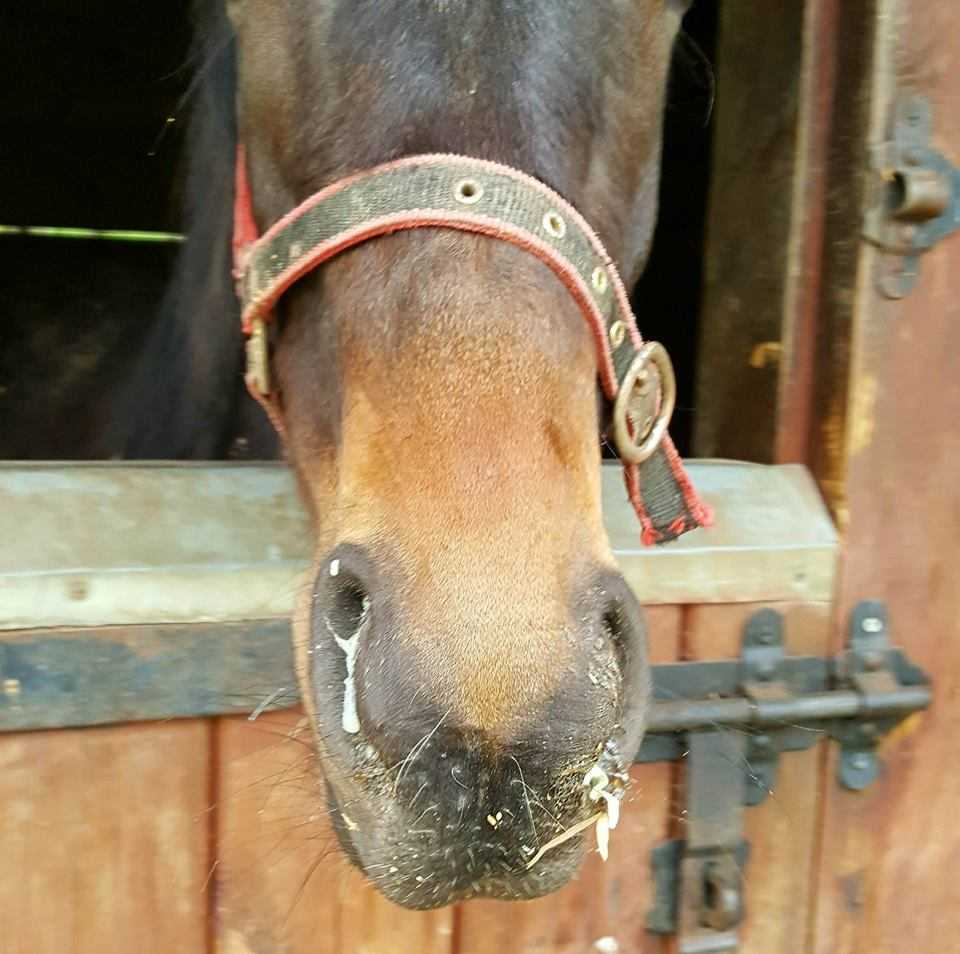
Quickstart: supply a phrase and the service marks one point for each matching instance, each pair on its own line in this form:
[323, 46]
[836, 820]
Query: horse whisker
[416, 750]
[526, 797]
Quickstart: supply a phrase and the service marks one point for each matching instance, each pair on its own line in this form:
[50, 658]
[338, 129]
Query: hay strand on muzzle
[571, 832]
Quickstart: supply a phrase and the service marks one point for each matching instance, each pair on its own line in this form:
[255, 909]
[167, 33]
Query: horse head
[472, 661]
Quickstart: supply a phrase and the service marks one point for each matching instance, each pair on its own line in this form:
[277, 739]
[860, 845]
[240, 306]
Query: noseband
[474, 195]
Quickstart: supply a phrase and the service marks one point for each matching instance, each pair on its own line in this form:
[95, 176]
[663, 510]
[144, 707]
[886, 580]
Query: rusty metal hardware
[730, 721]
[914, 199]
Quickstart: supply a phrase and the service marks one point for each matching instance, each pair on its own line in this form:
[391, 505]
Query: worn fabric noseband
[474, 195]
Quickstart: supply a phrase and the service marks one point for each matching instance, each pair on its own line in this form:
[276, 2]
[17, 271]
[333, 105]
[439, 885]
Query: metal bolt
[765, 670]
[11, 687]
[914, 111]
[871, 624]
[894, 286]
[761, 742]
[860, 761]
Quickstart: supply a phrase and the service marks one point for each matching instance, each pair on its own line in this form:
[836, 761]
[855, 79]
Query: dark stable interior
[91, 131]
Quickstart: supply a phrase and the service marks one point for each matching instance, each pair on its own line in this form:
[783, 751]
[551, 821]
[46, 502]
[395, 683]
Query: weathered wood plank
[104, 840]
[282, 884]
[141, 673]
[755, 163]
[822, 75]
[607, 904]
[817, 431]
[271, 831]
[125, 545]
[55, 678]
[782, 830]
[890, 855]
[771, 540]
[94, 545]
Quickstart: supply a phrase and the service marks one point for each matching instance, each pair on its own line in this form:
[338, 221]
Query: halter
[475, 195]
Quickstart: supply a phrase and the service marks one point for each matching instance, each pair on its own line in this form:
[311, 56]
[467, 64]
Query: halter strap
[475, 195]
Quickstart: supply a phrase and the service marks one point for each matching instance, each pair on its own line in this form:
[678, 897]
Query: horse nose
[384, 679]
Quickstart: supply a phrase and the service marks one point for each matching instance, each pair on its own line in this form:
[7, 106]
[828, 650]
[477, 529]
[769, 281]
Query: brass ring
[635, 447]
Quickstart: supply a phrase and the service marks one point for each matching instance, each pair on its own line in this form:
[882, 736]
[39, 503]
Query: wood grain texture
[57, 678]
[606, 901]
[104, 840]
[891, 855]
[754, 163]
[829, 386]
[820, 74]
[782, 830]
[282, 884]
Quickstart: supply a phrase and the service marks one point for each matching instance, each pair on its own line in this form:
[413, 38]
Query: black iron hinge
[914, 194]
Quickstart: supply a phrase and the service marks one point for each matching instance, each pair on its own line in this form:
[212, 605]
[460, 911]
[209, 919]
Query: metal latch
[729, 721]
[914, 200]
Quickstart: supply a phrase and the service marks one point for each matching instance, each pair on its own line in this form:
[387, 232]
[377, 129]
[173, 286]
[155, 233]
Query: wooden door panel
[891, 855]
[283, 885]
[105, 840]
[756, 162]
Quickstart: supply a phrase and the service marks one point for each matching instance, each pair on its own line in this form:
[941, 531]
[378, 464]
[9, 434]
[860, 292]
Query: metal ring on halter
[637, 441]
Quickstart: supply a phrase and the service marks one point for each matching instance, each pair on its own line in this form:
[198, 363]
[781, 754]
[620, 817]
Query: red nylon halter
[258, 303]
[245, 231]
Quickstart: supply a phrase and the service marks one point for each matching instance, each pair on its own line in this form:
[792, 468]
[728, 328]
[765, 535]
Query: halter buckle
[644, 404]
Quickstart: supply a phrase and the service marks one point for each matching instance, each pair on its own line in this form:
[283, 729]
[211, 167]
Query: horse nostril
[348, 602]
[341, 608]
[614, 629]
[623, 630]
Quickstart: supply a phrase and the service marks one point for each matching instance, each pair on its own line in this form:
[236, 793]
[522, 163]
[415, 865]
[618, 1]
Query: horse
[472, 663]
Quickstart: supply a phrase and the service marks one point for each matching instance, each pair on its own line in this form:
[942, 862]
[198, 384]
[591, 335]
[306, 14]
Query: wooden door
[889, 858]
[865, 390]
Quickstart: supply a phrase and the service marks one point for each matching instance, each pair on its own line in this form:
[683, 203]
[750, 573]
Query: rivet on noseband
[618, 331]
[296, 250]
[554, 224]
[468, 191]
[599, 279]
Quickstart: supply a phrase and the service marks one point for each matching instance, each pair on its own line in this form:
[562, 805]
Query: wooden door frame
[863, 390]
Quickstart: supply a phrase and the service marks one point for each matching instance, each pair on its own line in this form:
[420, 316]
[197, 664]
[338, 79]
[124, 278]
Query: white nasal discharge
[350, 720]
